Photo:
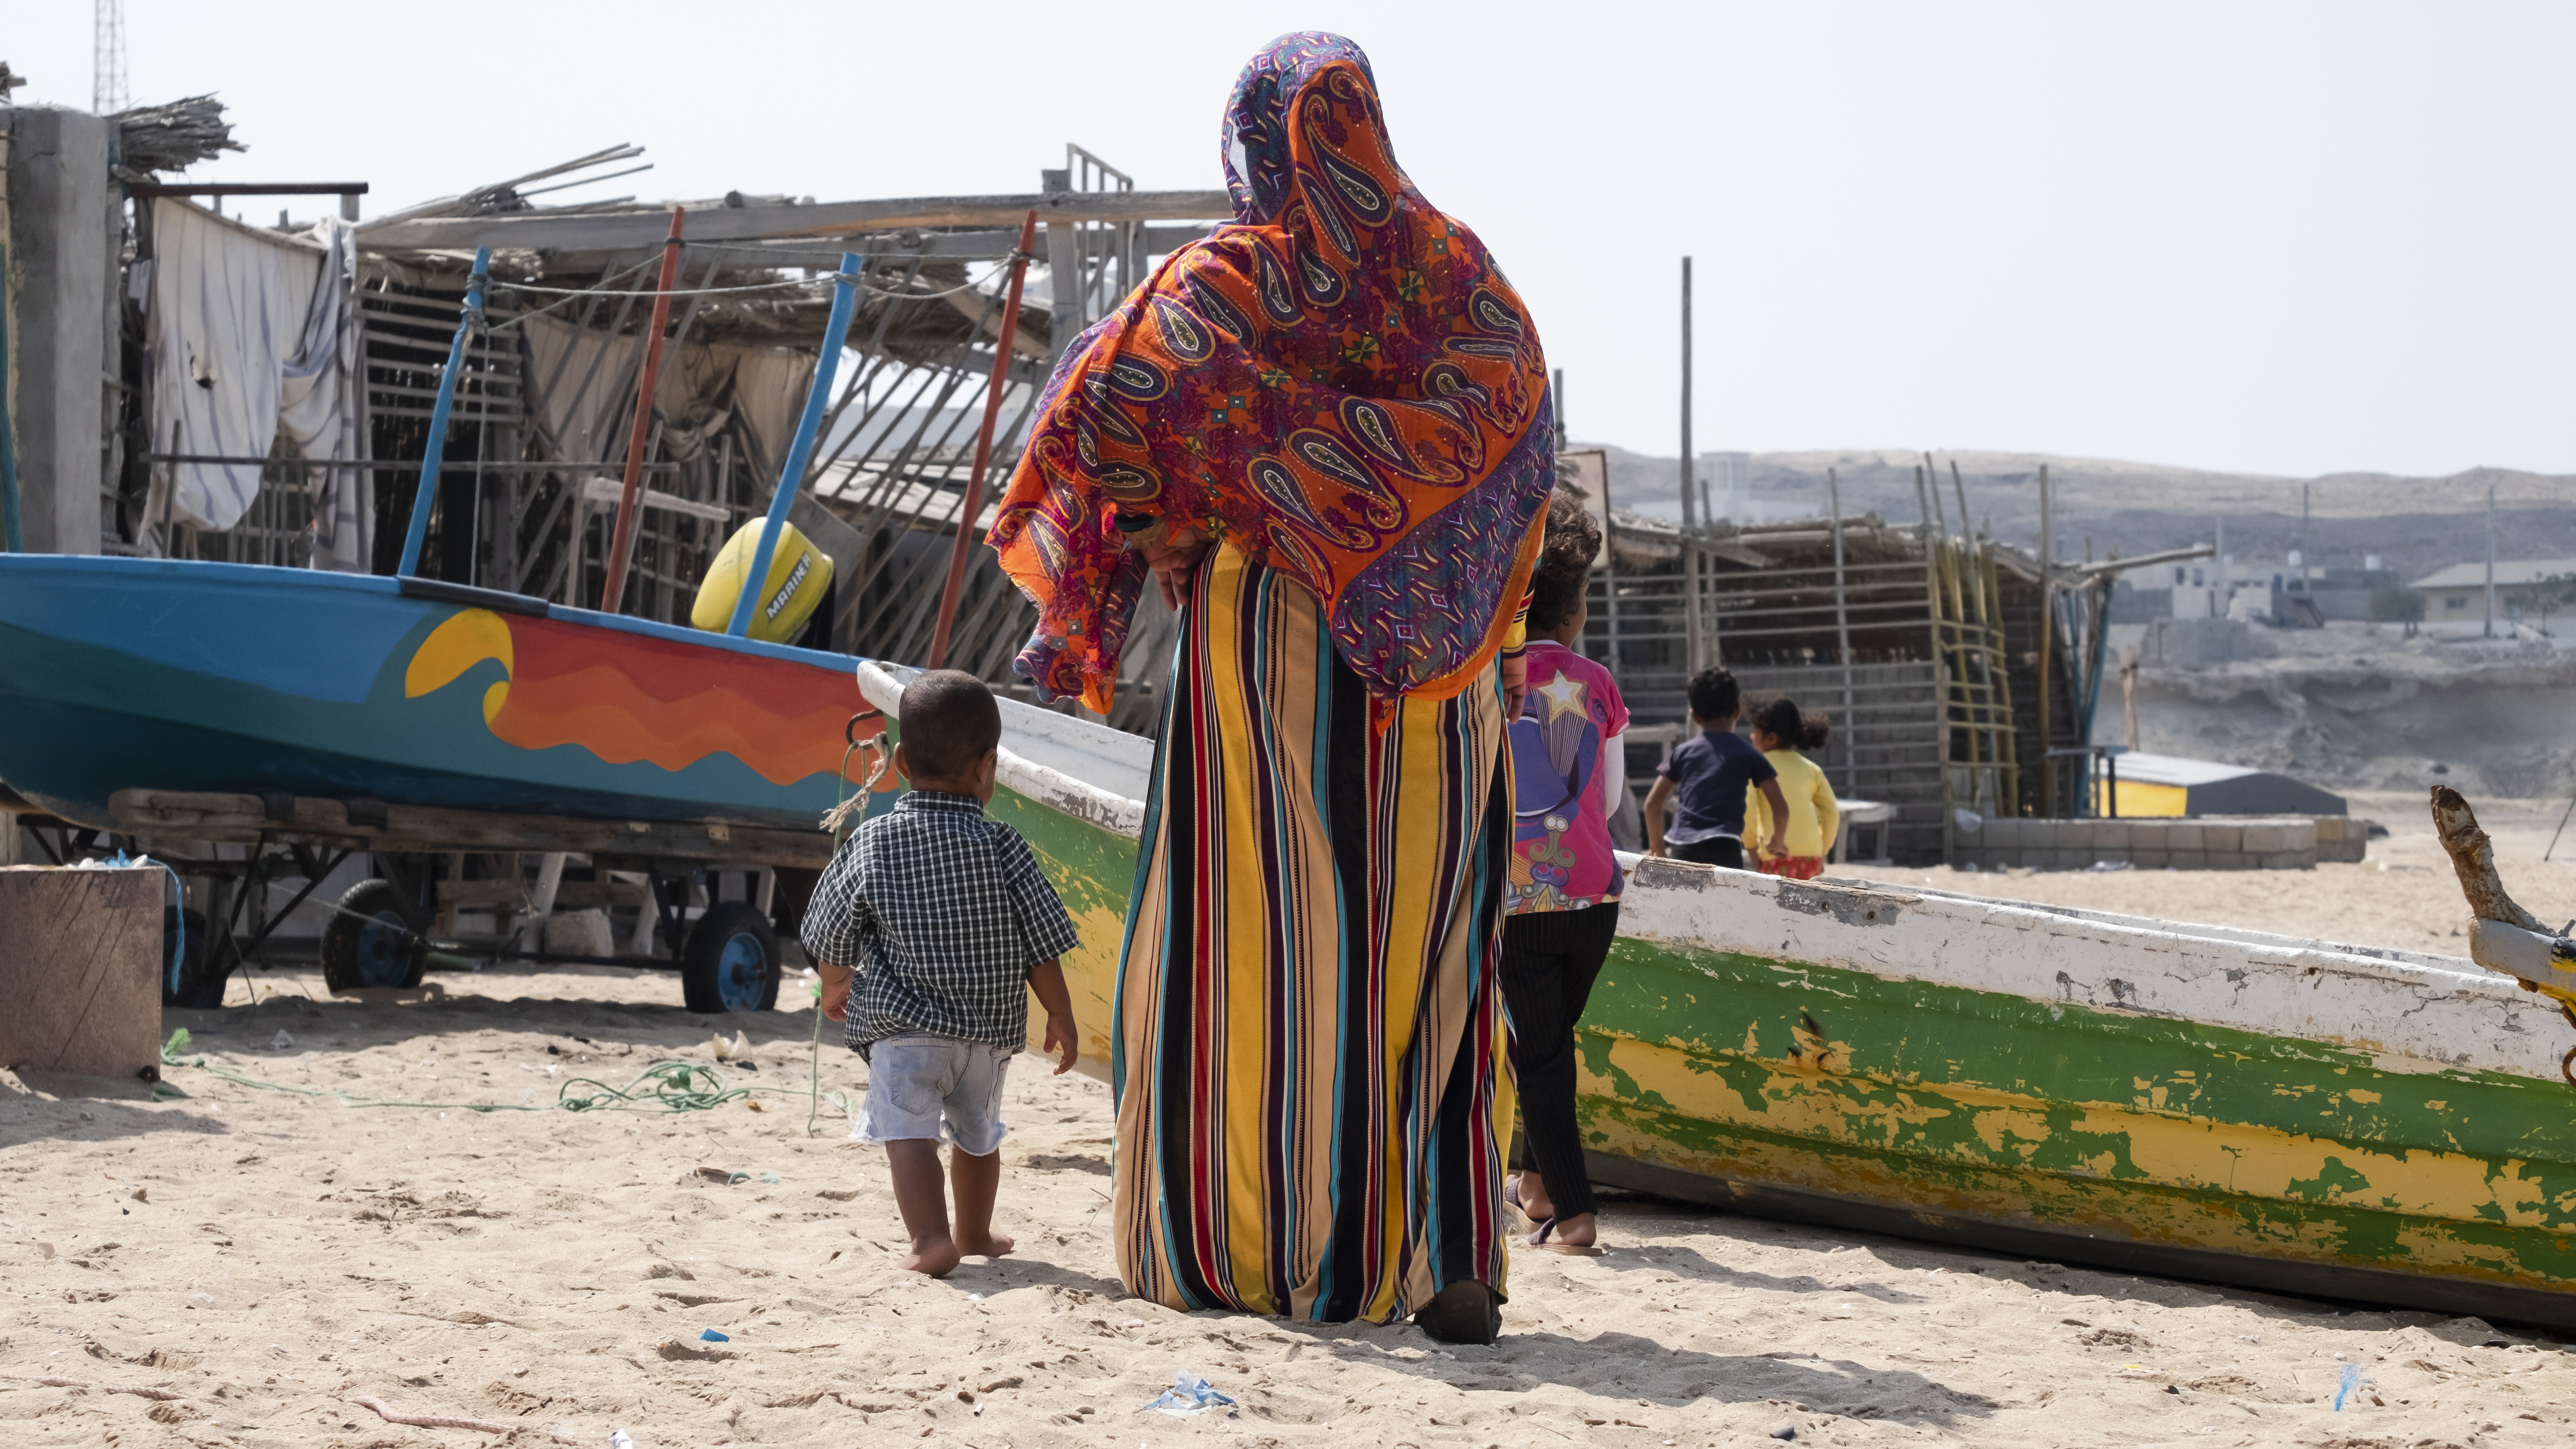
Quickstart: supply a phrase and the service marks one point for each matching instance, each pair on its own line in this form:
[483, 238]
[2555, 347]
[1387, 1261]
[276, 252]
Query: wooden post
[1842, 633]
[621, 541]
[12, 535]
[427, 493]
[1610, 572]
[974, 502]
[2047, 659]
[1690, 520]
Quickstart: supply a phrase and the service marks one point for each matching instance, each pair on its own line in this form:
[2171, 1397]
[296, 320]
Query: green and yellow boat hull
[2186, 1100]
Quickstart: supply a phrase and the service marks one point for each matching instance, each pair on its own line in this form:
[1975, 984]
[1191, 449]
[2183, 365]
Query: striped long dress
[1312, 1091]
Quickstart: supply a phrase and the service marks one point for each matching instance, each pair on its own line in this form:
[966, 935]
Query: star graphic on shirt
[1564, 696]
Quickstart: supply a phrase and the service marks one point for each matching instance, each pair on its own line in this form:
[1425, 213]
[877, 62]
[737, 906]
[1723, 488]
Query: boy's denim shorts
[919, 1084]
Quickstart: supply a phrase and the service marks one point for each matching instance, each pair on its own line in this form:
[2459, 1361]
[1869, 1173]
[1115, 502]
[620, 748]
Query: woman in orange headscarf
[1325, 430]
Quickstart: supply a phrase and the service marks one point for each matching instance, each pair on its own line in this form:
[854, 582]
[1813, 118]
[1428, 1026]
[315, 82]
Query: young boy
[948, 923]
[1710, 774]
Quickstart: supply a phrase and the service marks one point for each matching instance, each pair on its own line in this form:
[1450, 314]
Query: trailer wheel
[186, 979]
[731, 960]
[370, 941]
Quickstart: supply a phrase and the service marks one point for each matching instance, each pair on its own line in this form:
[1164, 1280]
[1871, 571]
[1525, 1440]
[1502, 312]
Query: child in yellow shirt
[1780, 731]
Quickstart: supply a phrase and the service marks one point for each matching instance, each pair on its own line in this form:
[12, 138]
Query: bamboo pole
[621, 542]
[983, 447]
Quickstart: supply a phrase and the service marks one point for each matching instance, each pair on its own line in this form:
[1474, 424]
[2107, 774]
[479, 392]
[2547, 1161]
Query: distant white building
[2458, 594]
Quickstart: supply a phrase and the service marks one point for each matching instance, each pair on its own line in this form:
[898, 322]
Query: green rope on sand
[676, 1087]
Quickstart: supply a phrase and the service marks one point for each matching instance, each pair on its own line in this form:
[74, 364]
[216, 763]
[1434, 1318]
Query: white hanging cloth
[253, 332]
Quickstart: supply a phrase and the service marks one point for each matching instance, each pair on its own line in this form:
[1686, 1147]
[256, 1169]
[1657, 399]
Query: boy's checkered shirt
[943, 913]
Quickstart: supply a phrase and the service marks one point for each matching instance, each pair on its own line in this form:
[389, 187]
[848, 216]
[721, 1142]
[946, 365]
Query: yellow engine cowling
[799, 576]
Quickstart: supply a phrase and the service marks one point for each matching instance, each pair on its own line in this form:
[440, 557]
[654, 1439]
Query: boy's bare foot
[934, 1256]
[991, 1245]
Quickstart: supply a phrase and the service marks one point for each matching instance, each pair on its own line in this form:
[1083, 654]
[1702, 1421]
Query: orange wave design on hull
[628, 697]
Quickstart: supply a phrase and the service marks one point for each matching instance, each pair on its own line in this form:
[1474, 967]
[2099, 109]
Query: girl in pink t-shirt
[1569, 770]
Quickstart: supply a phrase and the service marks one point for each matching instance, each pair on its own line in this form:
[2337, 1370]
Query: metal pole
[621, 541]
[1556, 404]
[1842, 633]
[1690, 519]
[974, 501]
[427, 493]
[791, 478]
[2490, 630]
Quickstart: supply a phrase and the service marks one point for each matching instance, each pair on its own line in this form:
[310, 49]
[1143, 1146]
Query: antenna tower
[107, 67]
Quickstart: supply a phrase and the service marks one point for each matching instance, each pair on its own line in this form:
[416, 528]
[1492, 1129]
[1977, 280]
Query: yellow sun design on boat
[465, 640]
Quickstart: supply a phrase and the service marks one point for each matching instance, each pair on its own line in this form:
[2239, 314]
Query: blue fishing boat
[183, 676]
[189, 700]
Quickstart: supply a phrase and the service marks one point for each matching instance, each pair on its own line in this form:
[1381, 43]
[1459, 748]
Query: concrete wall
[64, 242]
[2197, 643]
[2218, 842]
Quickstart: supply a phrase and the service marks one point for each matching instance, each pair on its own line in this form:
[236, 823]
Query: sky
[2280, 238]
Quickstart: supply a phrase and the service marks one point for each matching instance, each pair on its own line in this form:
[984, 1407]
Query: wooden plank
[80, 969]
[210, 816]
[618, 230]
[609, 490]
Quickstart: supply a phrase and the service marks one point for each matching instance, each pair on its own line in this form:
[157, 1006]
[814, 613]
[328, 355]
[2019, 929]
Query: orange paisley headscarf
[1342, 383]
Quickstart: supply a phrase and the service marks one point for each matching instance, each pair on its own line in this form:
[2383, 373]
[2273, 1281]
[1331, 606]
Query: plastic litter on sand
[2352, 1380]
[1188, 1397]
[617, 1440]
[281, 1041]
[711, 1336]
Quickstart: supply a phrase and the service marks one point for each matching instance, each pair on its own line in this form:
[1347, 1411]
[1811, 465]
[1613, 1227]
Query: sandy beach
[269, 1260]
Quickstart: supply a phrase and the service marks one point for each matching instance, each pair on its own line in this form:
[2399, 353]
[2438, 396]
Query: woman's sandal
[1530, 1222]
[1468, 1312]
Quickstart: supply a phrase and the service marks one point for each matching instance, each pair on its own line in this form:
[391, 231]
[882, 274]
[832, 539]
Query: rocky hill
[2415, 525]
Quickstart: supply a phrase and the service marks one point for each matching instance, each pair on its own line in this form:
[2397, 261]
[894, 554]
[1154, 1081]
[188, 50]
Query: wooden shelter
[537, 438]
[1924, 649]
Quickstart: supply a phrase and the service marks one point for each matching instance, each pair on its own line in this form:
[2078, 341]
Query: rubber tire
[375, 952]
[710, 983]
[197, 987]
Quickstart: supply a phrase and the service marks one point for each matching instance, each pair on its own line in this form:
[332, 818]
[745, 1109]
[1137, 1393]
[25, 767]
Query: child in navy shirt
[1708, 775]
